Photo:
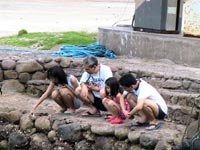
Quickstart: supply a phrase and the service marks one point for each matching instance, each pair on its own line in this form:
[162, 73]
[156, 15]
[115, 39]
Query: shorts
[77, 103]
[98, 104]
[161, 114]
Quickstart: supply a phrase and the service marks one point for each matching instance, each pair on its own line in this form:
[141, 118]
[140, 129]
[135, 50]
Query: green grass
[47, 40]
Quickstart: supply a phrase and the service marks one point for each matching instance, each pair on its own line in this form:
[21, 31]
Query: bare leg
[88, 101]
[57, 98]
[67, 99]
[132, 100]
[150, 110]
[112, 107]
[146, 115]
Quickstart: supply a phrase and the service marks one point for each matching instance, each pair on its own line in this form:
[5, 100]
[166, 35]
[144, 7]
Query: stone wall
[61, 132]
[17, 75]
[19, 130]
[180, 93]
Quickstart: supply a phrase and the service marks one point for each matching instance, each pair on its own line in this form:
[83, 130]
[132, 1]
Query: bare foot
[93, 110]
[139, 120]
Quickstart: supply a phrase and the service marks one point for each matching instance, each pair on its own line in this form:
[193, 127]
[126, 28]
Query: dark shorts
[161, 114]
[98, 104]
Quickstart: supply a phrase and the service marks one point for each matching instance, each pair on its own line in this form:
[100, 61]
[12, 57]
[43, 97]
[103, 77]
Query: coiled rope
[77, 51]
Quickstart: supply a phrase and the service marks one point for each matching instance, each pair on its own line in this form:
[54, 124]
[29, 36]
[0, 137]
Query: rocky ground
[162, 66]
[24, 103]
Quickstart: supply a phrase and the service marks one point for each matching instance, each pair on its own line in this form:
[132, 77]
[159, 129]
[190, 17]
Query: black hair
[91, 61]
[58, 73]
[113, 83]
[127, 80]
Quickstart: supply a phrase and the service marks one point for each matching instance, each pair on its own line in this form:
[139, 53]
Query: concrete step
[180, 97]
[181, 105]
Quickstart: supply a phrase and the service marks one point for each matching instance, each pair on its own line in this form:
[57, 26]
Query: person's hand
[126, 113]
[91, 85]
[131, 115]
[32, 111]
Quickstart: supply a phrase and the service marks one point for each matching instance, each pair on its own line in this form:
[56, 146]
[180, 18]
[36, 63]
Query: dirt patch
[24, 103]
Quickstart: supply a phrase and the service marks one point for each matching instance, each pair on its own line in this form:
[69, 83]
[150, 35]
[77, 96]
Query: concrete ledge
[175, 47]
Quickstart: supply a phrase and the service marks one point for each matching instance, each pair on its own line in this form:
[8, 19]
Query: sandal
[69, 113]
[89, 114]
[107, 116]
[139, 124]
[153, 126]
[116, 121]
[110, 118]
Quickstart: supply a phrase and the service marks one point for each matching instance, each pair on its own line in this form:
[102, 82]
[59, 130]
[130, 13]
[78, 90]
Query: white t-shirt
[77, 102]
[69, 78]
[98, 78]
[145, 90]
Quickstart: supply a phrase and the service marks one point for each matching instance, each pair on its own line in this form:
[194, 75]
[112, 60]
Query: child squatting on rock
[150, 105]
[114, 101]
[61, 88]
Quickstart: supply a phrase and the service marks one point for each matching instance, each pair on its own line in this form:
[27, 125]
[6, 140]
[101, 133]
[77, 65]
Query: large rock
[50, 64]
[121, 145]
[24, 77]
[3, 145]
[83, 145]
[65, 63]
[149, 140]
[12, 116]
[134, 137]
[38, 76]
[40, 141]
[121, 133]
[12, 86]
[52, 136]
[26, 123]
[162, 145]
[10, 74]
[28, 66]
[8, 64]
[70, 132]
[103, 130]
[104, 143]
[17, 140]
[43, 123]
